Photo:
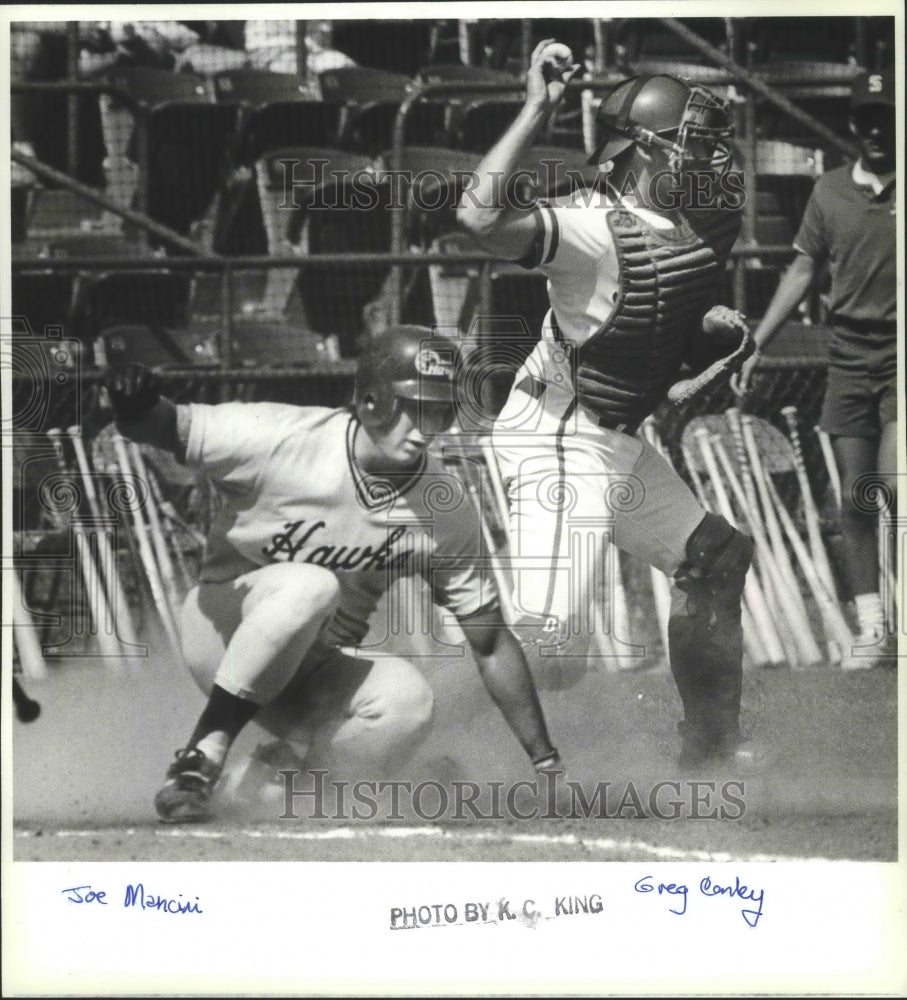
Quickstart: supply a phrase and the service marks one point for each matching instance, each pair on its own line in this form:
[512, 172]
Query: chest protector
[667, 281]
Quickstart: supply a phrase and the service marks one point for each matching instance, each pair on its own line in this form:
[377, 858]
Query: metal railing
[226, 268]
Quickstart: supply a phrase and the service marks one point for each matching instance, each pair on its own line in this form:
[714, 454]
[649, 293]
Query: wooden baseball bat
[102, 625]
[754, 515]
[158, 539]
[773, 554]
[834, 477]
[25, 636]
[145, 549]
[810, 511]
[698, 484]
[116, 596]
[832, 617]
[172, 525]
[793, 611]
[752, 591]
[171, 514]
[748, 453]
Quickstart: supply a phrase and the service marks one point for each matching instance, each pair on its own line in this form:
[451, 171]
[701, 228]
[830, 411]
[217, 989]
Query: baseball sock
[220, 723]
[870, 617]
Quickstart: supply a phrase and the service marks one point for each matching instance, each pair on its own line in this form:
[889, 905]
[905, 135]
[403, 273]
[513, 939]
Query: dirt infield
[86, 771]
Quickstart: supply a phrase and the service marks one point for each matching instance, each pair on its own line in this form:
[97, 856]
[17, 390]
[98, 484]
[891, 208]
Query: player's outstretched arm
[792, 289]
[483, 209]
[507, 678]
[142, 413]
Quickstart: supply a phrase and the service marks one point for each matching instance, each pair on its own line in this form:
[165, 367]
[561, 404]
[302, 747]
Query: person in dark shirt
[849, 223]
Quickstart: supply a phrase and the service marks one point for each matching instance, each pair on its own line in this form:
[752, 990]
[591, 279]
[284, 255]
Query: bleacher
[206, 155]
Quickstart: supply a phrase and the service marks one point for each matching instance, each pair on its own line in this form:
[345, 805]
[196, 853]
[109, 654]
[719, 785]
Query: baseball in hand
[559, 56]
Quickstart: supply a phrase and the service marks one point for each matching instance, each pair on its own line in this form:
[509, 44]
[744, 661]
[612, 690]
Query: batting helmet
[403, 362]
[661, 110]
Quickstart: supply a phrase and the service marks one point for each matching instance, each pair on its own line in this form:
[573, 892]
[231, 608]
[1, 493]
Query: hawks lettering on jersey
[342, 557]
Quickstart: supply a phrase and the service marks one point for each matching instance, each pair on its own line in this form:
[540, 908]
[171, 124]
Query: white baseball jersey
[292, 491]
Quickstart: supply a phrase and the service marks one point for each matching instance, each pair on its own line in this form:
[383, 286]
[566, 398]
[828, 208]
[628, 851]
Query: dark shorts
[858, 404]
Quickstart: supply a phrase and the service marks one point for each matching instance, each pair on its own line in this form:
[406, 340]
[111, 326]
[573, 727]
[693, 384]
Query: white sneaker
[867, 650]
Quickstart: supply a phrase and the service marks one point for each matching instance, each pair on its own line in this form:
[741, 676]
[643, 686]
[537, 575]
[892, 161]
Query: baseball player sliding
[633, 270]
[322, 510]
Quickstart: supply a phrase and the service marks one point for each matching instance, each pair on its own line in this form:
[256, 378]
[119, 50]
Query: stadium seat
[559, 169]
[436, 174]
[157, 298]
[95, 245]
[507, 331]
[291, 180]
[179, 143]
[287, 182]
[481, 122]
[777, 40]
[274, 110]
[42, 299]
[157, 86]
[247, 293]
[696, 72]
[458, 73]
[454, 101]
[455, 283]
[639, 40]
[368, 101]
[154, 345]
[392, 45]
[261, 343]
[277, 111]
[257, 86]
[344, 210]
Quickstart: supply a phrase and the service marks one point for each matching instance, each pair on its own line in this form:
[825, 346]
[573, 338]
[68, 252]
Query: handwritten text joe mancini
[135, 897]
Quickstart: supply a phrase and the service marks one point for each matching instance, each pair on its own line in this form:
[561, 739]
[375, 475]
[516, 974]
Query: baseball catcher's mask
[405, 363]
[660, 110]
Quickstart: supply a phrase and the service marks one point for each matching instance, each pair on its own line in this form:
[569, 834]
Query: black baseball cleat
[185, 797]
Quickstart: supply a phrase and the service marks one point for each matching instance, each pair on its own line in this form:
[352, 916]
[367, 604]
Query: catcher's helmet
[661, 110]
[403, 362]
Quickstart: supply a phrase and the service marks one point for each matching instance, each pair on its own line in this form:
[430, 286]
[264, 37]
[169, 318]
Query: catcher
[322, 510]
[633, 270]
